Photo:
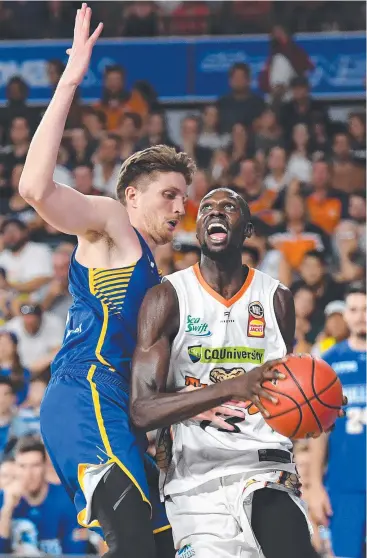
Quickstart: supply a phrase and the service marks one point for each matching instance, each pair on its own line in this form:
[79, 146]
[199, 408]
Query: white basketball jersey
[220, 339]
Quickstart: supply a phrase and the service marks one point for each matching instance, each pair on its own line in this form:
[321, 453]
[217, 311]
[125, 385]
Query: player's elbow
[140, 415]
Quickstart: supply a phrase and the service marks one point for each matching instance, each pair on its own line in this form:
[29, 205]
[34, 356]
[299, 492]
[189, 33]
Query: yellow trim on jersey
[107, 446]
[102, 335]
[165, 528]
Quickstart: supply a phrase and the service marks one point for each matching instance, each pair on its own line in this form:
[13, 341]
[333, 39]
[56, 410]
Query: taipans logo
[256, 320]
[198, 353]
[195, 326]
[220, 374]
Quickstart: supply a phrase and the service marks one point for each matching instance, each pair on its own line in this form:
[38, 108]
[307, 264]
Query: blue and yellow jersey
[102, 321]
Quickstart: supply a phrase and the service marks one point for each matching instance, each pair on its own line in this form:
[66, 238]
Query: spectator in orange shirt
[325, 206]
[116, 100]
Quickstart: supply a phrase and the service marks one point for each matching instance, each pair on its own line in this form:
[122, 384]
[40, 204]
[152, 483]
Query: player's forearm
[6, 515]
[32, 285]
[158, 410]
[317, 449]
[37, 177]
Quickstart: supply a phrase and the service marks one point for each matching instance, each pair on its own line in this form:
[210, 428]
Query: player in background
[84, 414]
[231, 491]
[337, 500]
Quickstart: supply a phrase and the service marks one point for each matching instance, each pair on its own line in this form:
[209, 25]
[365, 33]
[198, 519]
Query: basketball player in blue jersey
[340, 503]
[84, 414]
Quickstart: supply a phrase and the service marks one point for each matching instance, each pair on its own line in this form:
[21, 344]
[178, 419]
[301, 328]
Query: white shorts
[215, 518]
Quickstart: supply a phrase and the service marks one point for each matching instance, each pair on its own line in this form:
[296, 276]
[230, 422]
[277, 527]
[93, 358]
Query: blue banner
[190, 69]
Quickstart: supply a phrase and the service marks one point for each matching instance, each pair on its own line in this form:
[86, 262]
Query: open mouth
[172, 224]
[218, 232]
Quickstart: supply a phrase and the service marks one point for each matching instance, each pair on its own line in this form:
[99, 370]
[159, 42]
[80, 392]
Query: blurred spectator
[129, 130]
[81, 148]
[320, 145]
[58, 20]
[268, 258]
[36, 517]
[141, 20]
[189, 142]
[261, 201]
[6, 296]
[83, 180]
[250, 256]
[17, 207]
[57, 298]
[269, 133]
[94, 121]
[27, 419]
[55, 70]
[11, 366]
[351, 258]
[240, 105]
[7, 402]
[209, 135]
[302, 109]
[20, 137]
[342, 167]
[305, 305]
[116, 100]
[199, 188]
[325, 206]
[39, 334]
[107, 167]
[156, 132]
[335, 329]
[27, 264]
[286, 61]
[190, 18]
[357, 213]
[239, 148]
[16, 106]
[299, 164]
[314, 275]
[296, 236]
[277, 179]
[220, 167]
[357, 132]
[62, 174]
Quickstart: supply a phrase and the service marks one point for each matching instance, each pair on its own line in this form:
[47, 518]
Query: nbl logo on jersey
[256, 320]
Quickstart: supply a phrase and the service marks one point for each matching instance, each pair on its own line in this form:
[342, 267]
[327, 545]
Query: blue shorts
[348, 523]
[85, 426]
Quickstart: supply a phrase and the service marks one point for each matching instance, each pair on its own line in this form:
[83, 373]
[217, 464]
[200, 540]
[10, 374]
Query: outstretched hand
[81, 50]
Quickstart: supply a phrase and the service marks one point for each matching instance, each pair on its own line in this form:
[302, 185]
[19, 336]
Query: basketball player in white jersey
[229, 491]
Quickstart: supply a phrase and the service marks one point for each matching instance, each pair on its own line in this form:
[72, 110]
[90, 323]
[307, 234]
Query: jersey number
[356, 419]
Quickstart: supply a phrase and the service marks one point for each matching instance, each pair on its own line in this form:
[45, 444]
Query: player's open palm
[81, 50]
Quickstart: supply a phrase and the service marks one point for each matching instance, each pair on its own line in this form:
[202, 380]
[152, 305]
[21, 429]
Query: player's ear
[131, 195]
[249, 230]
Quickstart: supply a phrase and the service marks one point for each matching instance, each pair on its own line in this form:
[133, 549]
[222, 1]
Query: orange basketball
[308, 399]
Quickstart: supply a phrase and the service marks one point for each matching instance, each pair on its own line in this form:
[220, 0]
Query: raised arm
[150, 406]
[62, 206]
[285, 315]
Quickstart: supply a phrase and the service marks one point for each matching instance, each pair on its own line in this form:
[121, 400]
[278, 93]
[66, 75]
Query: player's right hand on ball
[249, 386]
[81, 50]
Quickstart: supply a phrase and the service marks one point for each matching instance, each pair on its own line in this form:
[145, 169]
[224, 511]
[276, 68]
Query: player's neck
[225, 276]
[36, 498]
[357, 343]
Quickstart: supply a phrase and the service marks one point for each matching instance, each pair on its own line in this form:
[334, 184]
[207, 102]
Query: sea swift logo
[198, 353]
[196, 326]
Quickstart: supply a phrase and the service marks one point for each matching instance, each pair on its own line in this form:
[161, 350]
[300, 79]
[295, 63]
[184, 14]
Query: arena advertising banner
[190, 69]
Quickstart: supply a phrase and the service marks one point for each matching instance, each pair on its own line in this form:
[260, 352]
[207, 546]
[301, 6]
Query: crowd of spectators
[302, 174]
[22, 19]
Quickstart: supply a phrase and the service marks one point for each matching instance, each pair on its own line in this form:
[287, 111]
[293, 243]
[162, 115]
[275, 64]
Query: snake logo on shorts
[186, 552]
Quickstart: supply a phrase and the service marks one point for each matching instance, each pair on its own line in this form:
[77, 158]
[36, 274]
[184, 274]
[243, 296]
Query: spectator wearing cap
[37, 517]
[107, 167]
[302, 109]
[40, 335]
[335, 329]
[27, 264]
[314, 275]
[116, 100]
[241, 105]
[189, 142]
[57, 298]
[325, 206]
[11, 365]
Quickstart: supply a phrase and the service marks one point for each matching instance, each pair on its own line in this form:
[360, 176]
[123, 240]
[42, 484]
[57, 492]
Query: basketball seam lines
[316, 395]
[298, 404]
